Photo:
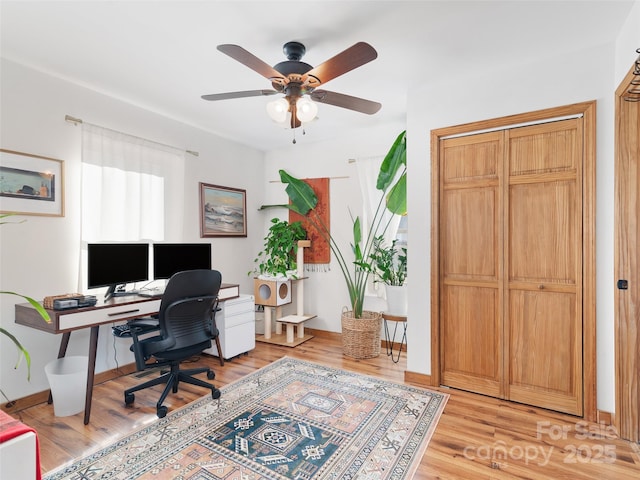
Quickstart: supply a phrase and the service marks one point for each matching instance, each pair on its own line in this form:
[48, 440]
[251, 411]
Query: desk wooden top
[27, 315]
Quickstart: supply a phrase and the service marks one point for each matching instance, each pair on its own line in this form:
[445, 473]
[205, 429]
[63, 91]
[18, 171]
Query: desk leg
[220, 357]
[62, 351]
[91, 370]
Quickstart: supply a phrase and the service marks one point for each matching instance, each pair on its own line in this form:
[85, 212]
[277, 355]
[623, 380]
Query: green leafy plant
[278, 255]
[388, 262]
[303, 200]
[22, 352]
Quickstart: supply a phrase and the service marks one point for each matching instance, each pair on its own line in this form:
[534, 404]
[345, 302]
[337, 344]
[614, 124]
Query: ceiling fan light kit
[298, 81]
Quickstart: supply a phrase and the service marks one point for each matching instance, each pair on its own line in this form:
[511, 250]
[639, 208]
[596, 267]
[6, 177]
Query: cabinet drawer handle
[122, 313]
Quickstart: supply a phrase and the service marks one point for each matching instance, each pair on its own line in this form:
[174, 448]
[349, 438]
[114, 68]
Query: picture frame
[31, 184]
[223, 211]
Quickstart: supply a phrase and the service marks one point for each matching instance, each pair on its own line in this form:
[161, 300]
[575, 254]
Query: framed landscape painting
[223, 211]
[31, 184]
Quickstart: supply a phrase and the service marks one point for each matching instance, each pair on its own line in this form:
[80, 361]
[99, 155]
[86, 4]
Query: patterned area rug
[290, 420]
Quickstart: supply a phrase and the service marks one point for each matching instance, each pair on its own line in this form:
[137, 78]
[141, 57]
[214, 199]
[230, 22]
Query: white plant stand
[294, 323]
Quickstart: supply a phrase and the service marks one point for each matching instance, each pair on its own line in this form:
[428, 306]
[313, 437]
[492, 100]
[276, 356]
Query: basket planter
[361, 336]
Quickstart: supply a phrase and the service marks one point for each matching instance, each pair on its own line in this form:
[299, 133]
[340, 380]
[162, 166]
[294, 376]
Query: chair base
[172, 379]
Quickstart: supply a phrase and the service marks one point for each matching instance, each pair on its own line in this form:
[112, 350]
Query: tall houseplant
[392, 183]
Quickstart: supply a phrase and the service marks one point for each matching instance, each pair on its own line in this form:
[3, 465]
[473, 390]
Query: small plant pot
[396, 299]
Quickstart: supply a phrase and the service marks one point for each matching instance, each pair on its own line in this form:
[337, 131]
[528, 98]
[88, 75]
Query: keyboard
[121, 330]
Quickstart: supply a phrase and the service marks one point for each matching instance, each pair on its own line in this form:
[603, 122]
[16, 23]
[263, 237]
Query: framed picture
[31, 184]
[223, 211]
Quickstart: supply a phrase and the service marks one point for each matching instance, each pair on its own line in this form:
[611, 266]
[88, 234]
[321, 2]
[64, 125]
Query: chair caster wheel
[211, 374]
[215, 393]
[161, 411]
[129, 398]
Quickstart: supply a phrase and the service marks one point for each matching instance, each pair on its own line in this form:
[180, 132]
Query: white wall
[40, 257]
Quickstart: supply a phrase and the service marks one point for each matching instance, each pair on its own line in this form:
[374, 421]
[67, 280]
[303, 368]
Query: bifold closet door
[472, 339]
[543, 261]
[510, 263]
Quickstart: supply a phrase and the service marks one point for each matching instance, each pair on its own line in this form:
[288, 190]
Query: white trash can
[68, 381]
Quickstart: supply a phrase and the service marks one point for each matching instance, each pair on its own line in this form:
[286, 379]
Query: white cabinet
[236, 325]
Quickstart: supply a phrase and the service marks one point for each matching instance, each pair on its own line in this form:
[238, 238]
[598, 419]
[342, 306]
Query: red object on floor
[12, 428]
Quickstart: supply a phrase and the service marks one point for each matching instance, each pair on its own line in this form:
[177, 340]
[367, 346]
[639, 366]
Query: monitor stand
[118, 291]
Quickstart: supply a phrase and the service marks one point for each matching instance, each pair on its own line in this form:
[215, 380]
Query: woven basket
[361, 336]
[48, 301]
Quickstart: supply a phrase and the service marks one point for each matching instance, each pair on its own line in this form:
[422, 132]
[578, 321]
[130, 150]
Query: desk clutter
[69, 300]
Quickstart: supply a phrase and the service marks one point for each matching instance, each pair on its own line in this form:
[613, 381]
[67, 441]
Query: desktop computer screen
[114, 264]
[170, 258]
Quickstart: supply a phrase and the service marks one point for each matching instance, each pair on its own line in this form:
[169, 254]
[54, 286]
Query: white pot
[396, 299]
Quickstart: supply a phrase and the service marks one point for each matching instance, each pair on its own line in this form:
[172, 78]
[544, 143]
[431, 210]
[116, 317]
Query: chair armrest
[138, 328]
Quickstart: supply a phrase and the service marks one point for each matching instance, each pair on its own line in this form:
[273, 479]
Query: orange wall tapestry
[318, 256]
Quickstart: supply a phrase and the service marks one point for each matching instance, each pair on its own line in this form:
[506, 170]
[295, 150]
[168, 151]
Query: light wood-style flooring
[477, 437]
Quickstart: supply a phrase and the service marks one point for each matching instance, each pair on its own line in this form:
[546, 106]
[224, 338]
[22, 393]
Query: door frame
[627, 262]
[588, 112]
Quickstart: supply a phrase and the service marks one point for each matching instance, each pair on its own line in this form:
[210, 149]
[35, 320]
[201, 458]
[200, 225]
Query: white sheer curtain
[132, 190]
[368, 169]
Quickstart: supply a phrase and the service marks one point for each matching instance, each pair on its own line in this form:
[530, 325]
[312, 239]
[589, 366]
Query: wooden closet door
[543, 258]
[471, 315]
[511, 264]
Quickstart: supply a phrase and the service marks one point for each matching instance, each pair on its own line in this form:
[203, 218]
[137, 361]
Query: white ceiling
[162, 56]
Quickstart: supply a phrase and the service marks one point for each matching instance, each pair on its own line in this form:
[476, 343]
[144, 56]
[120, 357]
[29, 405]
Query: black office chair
[187, 326]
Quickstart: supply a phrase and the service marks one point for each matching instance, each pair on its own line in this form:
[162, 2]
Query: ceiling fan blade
[353, 57]
[346, 101]
[254, 63]
[246, 93]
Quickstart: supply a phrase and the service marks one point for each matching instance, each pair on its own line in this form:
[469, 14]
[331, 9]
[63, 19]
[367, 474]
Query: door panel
[471, 231]
[543, 233]
[473, 330]
[545, 350]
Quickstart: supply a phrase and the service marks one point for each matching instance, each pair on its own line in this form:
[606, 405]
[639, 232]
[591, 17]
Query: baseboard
[605, 418]
[323, 333]
[15, 406]
[420, 379]
[337, 335]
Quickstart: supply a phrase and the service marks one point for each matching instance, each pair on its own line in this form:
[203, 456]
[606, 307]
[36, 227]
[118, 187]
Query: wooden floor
[477, 437]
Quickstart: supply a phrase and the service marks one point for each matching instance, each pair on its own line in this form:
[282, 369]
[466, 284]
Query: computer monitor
[114, 264]
[170, 258]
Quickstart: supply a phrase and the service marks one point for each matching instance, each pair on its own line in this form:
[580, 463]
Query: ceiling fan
[298, 80]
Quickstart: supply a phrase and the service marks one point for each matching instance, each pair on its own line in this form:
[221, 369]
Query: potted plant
[22, 352]
[392, 183]
[277, 258]
[389, 267]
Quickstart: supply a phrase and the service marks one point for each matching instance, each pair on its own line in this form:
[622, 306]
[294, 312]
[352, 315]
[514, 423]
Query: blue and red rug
[289, 420]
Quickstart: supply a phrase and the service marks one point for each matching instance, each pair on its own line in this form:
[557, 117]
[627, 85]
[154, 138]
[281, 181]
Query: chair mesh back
[186, 307]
